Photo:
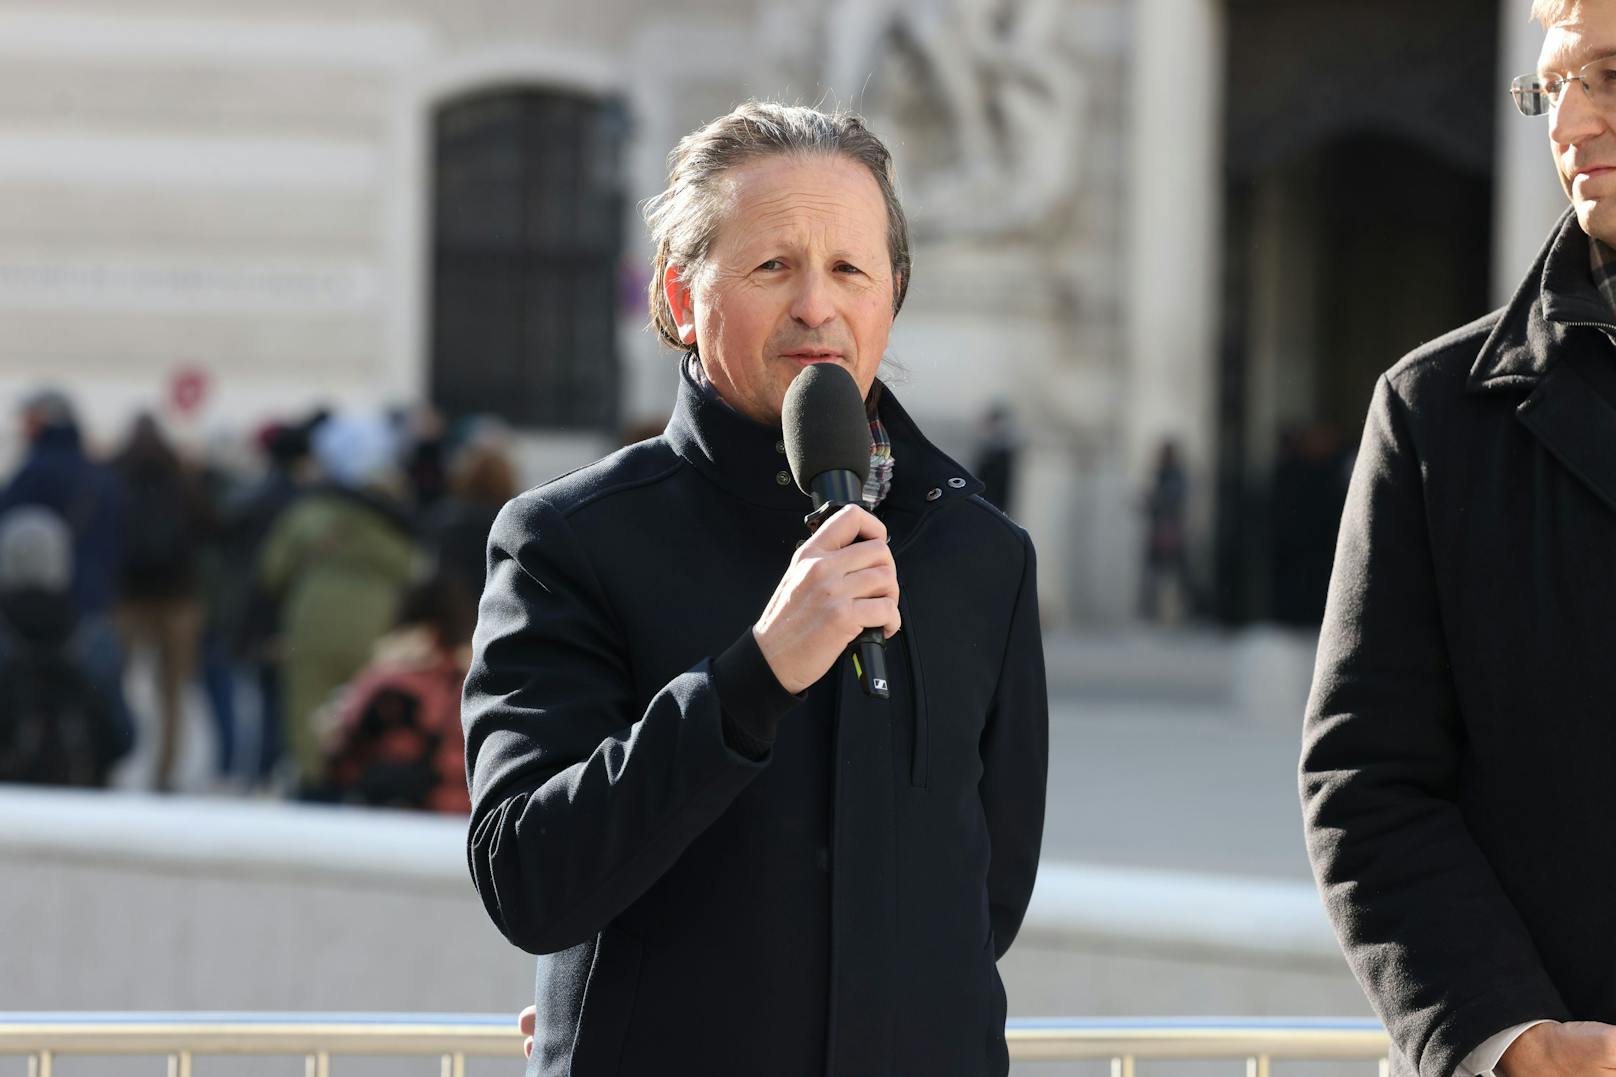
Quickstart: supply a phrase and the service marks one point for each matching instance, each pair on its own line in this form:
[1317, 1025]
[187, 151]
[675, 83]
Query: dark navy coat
[1456, 772]
[835, 906]
[90, 499]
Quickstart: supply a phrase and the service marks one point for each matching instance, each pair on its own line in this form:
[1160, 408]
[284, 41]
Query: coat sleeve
[1437, 945]
[580, 802]
[1015, 764]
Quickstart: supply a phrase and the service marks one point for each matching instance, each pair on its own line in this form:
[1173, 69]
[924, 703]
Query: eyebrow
[754, 246]
[1594, 55]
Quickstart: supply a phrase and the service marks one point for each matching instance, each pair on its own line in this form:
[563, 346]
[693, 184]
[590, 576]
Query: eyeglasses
[1535, 94]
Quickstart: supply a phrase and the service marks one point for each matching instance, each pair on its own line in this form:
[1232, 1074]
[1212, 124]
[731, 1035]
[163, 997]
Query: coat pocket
[608, 1006]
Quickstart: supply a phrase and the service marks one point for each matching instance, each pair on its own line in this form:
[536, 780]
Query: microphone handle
[869, 654]
[868, 651]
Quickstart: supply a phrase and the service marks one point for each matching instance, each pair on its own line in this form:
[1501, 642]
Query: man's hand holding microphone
[840, 582]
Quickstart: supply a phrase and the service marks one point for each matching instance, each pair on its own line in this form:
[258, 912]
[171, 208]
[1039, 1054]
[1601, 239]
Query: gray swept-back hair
[684, 218]
[1549, 12]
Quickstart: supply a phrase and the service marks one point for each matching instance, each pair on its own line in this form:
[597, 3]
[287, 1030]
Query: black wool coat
[831, 900]
[1456, 769]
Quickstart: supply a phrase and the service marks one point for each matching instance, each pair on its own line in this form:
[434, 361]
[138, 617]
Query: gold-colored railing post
[317, 1064]
[179, 1065]
[1122, 1067]
[1385, 1067]
[40, 1065]
[454, 1065]
[1258, 1067]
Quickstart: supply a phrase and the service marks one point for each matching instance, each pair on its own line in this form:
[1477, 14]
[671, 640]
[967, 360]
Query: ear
[681, 302]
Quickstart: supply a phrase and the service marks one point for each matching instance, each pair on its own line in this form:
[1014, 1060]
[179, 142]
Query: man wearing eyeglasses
[1460, 746]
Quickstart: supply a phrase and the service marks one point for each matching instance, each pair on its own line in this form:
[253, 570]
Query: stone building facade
[236, 210]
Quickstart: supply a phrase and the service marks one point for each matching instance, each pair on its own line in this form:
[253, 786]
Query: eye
[772, 263]
[846, 267]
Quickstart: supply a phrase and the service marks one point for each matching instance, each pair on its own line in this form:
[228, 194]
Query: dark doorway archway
[1358, 225]
[527, 221]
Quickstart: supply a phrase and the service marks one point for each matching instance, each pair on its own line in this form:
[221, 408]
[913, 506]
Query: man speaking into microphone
[732, 850]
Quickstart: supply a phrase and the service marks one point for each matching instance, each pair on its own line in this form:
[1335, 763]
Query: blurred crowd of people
[321, 597]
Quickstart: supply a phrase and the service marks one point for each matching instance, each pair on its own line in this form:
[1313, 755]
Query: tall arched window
[527, 215]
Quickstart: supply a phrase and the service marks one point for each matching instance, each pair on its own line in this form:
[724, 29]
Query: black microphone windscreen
[825, 425]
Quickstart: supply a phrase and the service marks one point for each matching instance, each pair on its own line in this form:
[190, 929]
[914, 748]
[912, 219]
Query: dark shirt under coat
[1456, 770]
[836, 906]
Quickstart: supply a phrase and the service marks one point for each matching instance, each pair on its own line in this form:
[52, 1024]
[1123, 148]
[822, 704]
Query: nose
[1575, 118]
[813, 304]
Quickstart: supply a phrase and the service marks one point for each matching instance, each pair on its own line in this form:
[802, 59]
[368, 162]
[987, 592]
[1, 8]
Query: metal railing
[1258, 1042]
[44, 1037]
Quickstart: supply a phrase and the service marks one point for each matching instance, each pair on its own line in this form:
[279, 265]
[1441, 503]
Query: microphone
[827, 438]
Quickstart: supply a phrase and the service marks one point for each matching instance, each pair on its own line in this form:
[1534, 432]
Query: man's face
[1583, 135]
[798, 273]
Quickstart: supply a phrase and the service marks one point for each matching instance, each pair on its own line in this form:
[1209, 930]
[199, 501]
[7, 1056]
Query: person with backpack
[57, 473]
[159, 602]
[57, 725]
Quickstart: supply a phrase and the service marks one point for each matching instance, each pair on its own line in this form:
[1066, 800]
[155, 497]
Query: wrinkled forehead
[793, 192]
[1580, 32]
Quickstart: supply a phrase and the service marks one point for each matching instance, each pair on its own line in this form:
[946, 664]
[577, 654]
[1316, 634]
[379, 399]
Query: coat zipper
[920, 748]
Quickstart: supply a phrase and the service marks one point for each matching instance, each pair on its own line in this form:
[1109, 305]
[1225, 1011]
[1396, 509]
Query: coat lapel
[1576, 423]
[1549, 344]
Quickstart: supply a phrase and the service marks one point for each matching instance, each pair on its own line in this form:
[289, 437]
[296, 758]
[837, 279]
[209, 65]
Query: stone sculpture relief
[987, 95]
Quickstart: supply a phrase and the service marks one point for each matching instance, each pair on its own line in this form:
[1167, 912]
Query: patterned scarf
[1603, 261]
[879, 483]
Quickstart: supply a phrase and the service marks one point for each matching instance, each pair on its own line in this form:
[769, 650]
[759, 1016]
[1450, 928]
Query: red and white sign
[188, 389]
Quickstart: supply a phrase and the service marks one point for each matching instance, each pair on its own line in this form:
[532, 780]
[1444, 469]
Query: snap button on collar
[783, 478]
[957, 483]
[780, 447]
[933, 494]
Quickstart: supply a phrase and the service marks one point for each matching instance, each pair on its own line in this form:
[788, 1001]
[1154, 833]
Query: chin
[1598, 219]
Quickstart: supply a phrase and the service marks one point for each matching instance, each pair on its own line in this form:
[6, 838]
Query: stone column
[1527, 197]
[1175, 226]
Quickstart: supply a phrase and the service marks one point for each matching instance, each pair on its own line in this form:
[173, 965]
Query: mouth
[1591, 172]
[805, 356]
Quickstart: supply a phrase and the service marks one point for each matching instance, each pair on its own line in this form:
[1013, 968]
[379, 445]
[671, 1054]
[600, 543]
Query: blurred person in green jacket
[338, 560]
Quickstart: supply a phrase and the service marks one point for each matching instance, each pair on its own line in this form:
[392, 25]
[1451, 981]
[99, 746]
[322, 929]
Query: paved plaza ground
[1178, 750]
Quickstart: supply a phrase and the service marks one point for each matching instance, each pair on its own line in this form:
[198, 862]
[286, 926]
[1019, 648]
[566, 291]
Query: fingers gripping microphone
[827, 440]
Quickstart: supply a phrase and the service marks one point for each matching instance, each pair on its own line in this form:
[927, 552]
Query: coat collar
[1555, 301]
[1548, 344]
[748, 458]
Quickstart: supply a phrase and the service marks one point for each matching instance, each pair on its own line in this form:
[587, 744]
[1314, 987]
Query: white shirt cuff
[1480, 1062]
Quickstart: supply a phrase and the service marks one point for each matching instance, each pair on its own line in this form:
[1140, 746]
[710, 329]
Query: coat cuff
[1454, 1037]
[750, 697]
[1484, 1059]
